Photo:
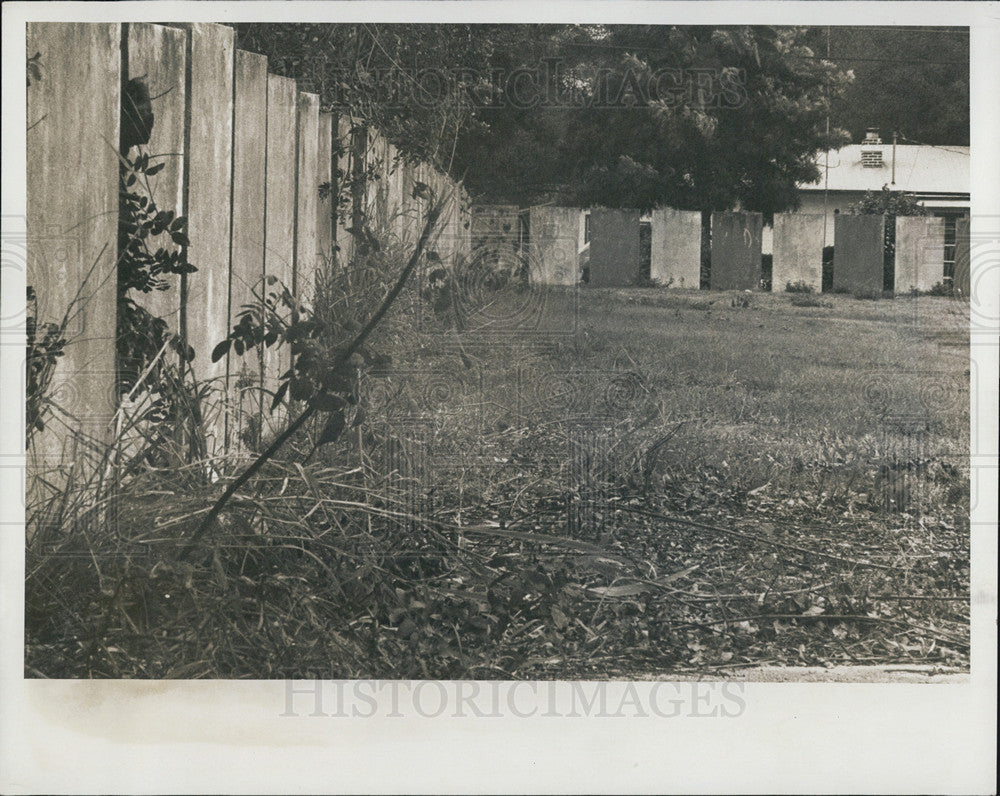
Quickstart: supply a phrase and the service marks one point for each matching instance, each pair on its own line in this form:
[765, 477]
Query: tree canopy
[630, 116]
[914, 80]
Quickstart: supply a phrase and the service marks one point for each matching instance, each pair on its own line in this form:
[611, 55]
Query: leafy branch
[323, 386]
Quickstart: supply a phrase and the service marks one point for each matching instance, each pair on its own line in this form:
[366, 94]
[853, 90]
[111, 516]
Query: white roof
[919, 169]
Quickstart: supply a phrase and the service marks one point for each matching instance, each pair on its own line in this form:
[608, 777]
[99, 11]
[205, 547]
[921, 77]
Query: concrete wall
[279, 226]
[249, 202]
[72, 223]
[244, 156]
[408, 205]
[307, 255]
[919, 253]
[494, 227]
[160, 53]
[325, 218]
[858, 253]
[798, 251]
[963, 261]
[676, 247]
[343, 166]
[736, 251]
[553, 233]
[397, 203]
[614, 248]
[209, 174]
[837, 203]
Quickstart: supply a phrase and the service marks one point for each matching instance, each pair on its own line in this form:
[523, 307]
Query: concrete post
[71, 233]
[279, 254]
[736, 251]
[249, 229]
[919, 253]
[614, 248]
[859, 244]
[676, 248]
[209, 175]
[798, 251]
[160, 53]
[554, 258]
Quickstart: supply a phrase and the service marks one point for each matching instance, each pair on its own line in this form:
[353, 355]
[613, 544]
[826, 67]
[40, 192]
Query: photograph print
[546, 352]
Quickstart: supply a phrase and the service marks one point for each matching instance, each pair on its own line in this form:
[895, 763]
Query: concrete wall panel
[798, 251]
[614, 248]
[279, 254]
[343, 175]
[160, 54]
[919, 253]
[209, 176]
[325, 209]
[554, 256]
[72, 219]
[858, 253]
[249, 198]
[307, 254]
[736, 251]
[676, 247]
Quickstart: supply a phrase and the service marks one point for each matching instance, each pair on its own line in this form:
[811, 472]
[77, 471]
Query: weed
[805, 300]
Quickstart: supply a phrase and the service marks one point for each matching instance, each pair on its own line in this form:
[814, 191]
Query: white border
[65, 736]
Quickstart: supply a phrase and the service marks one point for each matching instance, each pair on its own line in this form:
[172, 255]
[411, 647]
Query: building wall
[812, 204]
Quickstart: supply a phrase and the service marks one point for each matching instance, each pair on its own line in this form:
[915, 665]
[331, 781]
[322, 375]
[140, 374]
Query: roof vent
[871, 149]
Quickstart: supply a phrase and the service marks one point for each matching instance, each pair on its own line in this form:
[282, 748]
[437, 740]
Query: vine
[142, 261]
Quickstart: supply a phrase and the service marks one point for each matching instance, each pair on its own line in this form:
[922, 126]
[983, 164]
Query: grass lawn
[586, 484]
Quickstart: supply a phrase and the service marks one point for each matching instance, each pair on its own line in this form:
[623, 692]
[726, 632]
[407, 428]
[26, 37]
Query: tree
[418, 84]
[695, 117]
[911, 80]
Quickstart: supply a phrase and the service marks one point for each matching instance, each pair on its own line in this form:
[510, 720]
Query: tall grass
[477, 517]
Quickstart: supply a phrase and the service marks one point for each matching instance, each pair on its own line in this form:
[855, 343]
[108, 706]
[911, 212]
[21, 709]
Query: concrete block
[307, 254]
[858, 253]
[798, 251]
[961, 281]
[209, 176]
[676, 247]
[614, 248]
[919, 263]
[160, 54]
[72, 222]
[325, 220]
[554, 258]
[736, 251]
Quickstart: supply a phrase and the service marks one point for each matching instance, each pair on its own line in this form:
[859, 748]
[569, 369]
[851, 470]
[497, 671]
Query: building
[937, 176]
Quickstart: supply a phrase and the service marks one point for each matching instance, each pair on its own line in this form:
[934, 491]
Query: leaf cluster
[45, 343]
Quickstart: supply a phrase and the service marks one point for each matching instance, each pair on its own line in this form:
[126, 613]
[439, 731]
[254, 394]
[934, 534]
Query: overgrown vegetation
[632, 507]
[44, 345]
[808, 300]
[457, 487]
